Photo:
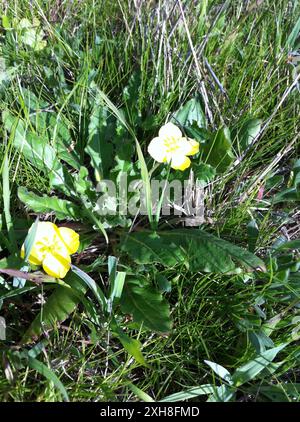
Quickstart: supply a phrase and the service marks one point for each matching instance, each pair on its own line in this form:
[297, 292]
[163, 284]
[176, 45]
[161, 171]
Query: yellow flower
[52, 248]
[171, 147]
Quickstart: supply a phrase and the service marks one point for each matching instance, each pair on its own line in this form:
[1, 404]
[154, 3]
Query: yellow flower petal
[169, 131]
[193, 147]
[180, 162]
[46, 232]
[157, 150]
[70, 239]
[36, 255]
[56, 265]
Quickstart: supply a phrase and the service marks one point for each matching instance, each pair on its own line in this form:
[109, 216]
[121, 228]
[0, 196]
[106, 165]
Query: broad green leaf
[147, 305]
[189, 113]
[194, 248]
[204, 172]
[260, 341]
[251, 369]
[247, 133]
[220, 371]
[49, 374]
[60, 304]
[163, 283]
[190, 393]
[218, 150]
[43, 204]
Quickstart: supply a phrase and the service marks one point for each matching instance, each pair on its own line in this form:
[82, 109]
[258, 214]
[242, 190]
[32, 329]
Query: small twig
[35, 278]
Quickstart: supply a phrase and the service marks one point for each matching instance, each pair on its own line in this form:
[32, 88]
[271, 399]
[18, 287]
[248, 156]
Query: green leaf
[116, 286]
[131, 345]
[204, 172]
[292, 244]
[194, 248]
[249, 130]
[92, 285]
[189, 113]
[30, 238]
[281, 392]
[55, 129]
[251, 369]
[140, 393]
[220, 371]
[17, 292]
[218, 150]
[98, 147]
[190, 393]
[287, 195]
[6, 22]
[6, 205]
[147, 305]
[37, 151]
[253, 233]
[294, 34]
[43, 204]
[163, 283]
[222, 394]
[47, 373]
[60, 304]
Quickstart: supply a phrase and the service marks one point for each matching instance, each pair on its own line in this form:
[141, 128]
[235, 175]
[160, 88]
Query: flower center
[171, 144]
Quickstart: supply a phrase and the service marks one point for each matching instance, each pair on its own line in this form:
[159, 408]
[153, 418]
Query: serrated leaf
[147, 306]
[43, 204]
[194, 248]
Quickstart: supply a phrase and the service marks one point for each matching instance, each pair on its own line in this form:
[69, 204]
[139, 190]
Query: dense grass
[236, 53]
